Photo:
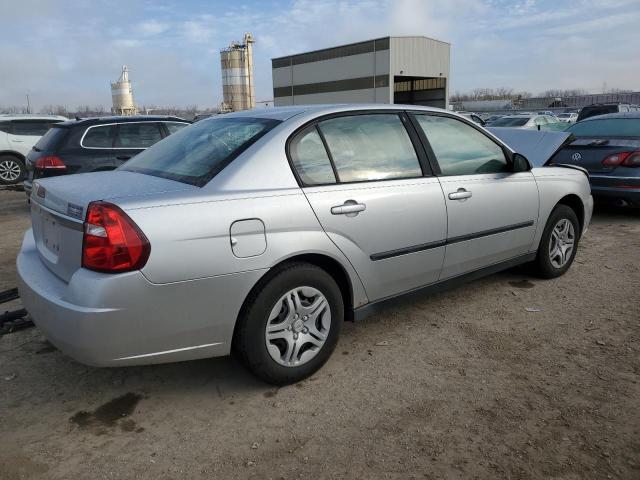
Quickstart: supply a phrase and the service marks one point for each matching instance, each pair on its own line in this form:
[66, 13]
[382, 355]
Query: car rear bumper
[114, 320]
[624, 190]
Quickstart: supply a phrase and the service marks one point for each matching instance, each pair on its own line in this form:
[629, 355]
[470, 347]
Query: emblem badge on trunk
[576, 157]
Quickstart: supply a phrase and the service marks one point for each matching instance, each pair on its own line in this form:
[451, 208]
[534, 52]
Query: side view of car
[605, 108]
[258, 233]
[18, 134]
[532, 121]
[95, 144]
[568, 117]
[608, 147]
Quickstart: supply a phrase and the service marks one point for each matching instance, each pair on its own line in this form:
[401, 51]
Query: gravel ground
[463, 384]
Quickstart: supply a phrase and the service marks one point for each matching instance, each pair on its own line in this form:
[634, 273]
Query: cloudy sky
[66, 51]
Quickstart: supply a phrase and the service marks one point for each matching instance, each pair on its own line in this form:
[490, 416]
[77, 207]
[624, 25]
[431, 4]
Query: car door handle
[124, 157]
[461, 194]
[350, 207]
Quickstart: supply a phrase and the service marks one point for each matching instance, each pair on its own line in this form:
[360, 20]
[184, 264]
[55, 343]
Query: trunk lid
[59, 204]
[537, 145]
[588, 153]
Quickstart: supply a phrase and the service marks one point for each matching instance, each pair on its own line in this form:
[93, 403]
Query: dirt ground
[464, 384]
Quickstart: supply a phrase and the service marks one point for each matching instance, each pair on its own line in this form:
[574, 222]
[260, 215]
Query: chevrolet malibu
[259, 233]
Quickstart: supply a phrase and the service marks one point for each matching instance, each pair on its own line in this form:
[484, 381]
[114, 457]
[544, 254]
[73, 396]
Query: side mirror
[520, 163]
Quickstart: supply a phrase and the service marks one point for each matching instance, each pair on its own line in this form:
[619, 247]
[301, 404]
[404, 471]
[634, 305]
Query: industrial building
[122, 95]
[237, 76]
[410, 70]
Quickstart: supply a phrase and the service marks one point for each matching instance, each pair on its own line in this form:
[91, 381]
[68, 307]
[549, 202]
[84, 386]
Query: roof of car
[285, 113]
[29, 116]
[121, 119]
[613, 115]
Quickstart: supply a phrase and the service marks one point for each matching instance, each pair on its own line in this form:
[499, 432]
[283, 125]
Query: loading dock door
[430, 92]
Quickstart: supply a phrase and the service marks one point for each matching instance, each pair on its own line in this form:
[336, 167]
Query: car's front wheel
[290, 325]
[12, 170]
[559, 243]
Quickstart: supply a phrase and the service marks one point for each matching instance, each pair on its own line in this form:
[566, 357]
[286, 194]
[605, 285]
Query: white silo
[237, 75]
[122, 95]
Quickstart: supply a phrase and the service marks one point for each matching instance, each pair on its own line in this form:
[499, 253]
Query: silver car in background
[260, 232]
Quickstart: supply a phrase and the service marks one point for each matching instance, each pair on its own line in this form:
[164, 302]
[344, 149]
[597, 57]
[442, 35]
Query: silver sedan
[260, 232]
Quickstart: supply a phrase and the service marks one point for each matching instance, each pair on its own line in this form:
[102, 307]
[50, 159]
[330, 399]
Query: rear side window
[461, 149]
[607, 127]
[99, 137]
[31, 127]
[138, 135]
[370, 147]
[310, 158]
[173, 127]
[196, 154]
[51, 140]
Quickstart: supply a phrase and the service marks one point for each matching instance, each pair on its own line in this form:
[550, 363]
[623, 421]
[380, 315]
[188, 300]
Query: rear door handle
[124, 157]
[461, 194]
[350, 208]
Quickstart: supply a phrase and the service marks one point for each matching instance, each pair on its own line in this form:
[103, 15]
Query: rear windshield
[510, 122]
[197, 153]
[611, 127]
[50, 140]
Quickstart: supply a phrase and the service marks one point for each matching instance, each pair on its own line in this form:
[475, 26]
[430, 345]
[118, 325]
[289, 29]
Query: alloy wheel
[298, 326]
[10, 171]
[561, 243]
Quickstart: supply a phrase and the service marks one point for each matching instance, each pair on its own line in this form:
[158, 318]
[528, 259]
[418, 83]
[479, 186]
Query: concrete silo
[237, 75]
[122, 95]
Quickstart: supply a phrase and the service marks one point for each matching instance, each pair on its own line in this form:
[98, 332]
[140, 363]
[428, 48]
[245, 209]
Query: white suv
[18, 134]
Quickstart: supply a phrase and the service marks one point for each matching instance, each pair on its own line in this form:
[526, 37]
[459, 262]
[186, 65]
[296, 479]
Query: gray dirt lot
[470, 385]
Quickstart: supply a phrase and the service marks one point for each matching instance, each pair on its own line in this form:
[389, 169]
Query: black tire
[17, 165]
[542, 265]
[249, 344]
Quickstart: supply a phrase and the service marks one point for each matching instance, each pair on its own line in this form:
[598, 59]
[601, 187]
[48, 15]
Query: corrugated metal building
[410, 70]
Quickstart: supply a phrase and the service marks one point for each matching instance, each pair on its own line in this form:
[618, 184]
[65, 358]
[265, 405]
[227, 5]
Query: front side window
[99, 137]
[310, 158]
[370, 147]
[138, 135]
[196, 154]
[461, 149]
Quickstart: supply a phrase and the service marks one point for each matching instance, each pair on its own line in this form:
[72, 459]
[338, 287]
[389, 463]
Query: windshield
[609, 127]
[510, 122]
[564, 115]
[199, 152]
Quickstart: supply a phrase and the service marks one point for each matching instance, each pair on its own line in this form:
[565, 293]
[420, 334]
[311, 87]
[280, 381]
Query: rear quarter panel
[555, 183]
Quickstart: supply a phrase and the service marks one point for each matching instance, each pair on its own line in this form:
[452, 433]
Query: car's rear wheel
[559, 243]
[290, 325]
[12, 170]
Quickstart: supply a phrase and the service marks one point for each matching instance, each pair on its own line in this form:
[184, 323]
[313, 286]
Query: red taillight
[632, 160]
[50, 162]
[626, 159]
[112, 243]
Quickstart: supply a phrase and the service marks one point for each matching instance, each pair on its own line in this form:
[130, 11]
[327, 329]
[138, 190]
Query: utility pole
[28, 104]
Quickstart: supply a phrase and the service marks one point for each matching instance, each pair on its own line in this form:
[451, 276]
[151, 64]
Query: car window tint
[138, 135]
[510, 122]
[173, 127]
[610, 127]
[461, 149]
[196, 154]
[51, 139]
[310, 158]
[99, 137]
[370, 147]
[6, 127]
[31, 128]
